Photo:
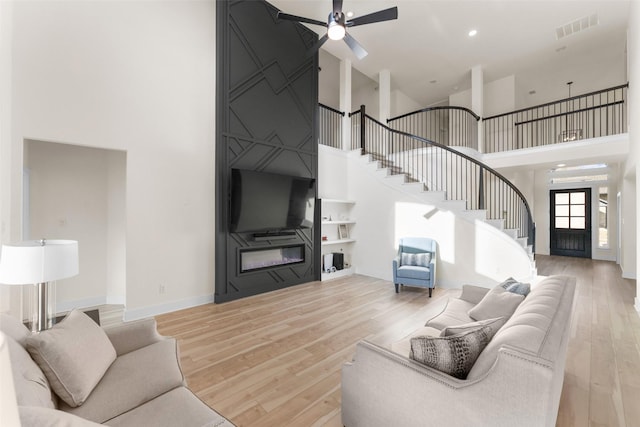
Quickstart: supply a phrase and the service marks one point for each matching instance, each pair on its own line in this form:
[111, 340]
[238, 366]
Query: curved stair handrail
[442, 168]
[446, 125]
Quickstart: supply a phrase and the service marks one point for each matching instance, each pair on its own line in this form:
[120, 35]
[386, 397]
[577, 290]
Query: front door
[571, 222]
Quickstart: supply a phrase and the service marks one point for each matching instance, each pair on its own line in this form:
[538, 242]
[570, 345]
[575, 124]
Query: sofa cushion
[498, 302]
[529, 329]
[74, 355]
[420, 259]
[30, 384]
[132, 380]
[454, 313]
[178, 407]
[403, 346]
[412, 272]
[33, 416]
[494, 324]
[512, 285]
[14, 328]
[453, 355]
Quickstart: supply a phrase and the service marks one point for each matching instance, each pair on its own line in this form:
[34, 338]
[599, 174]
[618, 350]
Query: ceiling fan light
[336, 31]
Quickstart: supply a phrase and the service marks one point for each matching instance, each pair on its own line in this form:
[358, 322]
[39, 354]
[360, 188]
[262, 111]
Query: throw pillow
[419, 260]
[512, 285]
[453, 355]
[494, 324]
[74, 355]
[498, 302]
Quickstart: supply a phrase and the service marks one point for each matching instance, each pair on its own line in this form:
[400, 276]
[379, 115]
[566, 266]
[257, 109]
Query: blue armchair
[415, 264]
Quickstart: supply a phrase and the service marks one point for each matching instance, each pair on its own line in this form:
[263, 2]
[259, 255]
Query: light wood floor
[275, 359]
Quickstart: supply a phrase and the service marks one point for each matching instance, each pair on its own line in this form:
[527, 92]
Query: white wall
[364, 92]
[329, 79]
[633, 64]
[499, 96]
[116, 227]
[9, 295]
[333, 179]
[628, 260]
[138, 77]
[402, 104]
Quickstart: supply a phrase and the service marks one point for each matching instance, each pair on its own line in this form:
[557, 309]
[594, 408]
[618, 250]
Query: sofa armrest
[131, 336]
[382, 388]
[473, 294]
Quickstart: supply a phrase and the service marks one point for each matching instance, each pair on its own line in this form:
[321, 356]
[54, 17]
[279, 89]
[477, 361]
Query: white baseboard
[154, 310]
[64, 306]
[626, 275]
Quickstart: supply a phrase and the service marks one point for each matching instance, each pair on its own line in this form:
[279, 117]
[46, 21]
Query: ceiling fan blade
[318, 44]
[355, 46]
[337, 7]
[295, 18]
[381, 15]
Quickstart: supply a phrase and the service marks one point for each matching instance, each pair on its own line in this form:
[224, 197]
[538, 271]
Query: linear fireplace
[256, 259]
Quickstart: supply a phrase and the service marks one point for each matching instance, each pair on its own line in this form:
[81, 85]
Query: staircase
[392, 175]
[438, 174]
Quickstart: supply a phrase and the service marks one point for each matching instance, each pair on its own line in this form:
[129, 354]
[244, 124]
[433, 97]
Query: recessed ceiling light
[349, 14]
[561, 165]
[473, 33]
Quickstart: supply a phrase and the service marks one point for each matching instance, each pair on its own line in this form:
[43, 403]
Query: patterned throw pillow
[512, 285]
[453, 355]
[419, 260]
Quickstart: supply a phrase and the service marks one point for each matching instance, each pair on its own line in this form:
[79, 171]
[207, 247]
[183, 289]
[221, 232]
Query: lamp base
[43, 309]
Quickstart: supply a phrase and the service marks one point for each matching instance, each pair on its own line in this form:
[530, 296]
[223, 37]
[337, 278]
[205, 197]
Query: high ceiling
[429, 53]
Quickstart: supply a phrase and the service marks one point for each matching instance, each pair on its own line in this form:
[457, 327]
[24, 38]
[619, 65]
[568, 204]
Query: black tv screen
[267, 202]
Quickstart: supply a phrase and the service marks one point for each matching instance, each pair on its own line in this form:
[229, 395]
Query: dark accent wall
[267, 97]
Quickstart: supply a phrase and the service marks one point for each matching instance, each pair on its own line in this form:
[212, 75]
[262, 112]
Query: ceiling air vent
[576, 26]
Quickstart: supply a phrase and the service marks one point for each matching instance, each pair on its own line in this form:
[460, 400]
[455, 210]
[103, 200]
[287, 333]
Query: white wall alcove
[78, 193]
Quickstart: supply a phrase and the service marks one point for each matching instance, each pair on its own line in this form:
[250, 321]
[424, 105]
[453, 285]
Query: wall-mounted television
[268, 202]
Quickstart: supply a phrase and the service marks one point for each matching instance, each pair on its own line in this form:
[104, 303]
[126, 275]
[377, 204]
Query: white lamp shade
[32, 262]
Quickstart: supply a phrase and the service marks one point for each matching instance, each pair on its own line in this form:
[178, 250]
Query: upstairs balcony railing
[592, 115]
[442, 168]
[330, 123]
[450, 126]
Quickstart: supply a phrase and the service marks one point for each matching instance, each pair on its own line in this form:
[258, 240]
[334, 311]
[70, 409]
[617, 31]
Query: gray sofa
[516, 380]
[142, 385]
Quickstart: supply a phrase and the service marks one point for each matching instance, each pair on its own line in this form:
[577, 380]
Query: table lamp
[38, 262]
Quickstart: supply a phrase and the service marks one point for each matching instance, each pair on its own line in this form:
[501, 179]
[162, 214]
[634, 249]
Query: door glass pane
[562, 198]
[603, 217]
[577, 223]
[562, 210]
[562, 222]
[577, 210]
[577, 198]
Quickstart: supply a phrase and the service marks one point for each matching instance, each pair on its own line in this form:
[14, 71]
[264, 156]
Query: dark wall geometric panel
[267, 97]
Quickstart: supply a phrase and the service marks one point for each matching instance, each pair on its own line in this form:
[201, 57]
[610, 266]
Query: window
[570, 210]
[603, 217]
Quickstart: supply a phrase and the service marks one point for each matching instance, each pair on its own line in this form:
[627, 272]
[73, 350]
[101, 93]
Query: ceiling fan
[337, 25]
